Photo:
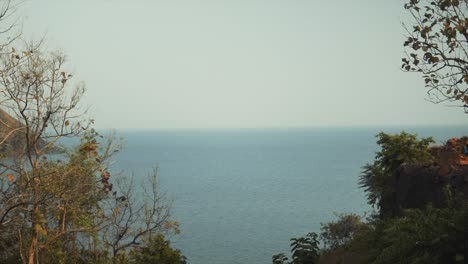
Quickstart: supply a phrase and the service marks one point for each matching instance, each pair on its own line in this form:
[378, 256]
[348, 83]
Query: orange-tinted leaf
[11, 178]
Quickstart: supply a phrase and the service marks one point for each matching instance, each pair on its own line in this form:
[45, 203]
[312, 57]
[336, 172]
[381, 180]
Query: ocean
[241, 194]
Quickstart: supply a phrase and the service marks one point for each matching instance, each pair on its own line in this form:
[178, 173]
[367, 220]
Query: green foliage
[304, 250]
[64, 208]
[430, 235]
[339, 233]
[155, 251]
[398, 149]
[436, 45]
[280, 259]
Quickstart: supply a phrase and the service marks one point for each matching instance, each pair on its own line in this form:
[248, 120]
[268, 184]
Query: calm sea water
[241, 194]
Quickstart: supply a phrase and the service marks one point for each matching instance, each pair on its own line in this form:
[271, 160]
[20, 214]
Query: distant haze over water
[241, 194]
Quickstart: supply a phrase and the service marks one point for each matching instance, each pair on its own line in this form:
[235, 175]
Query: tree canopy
[376, 178]
[437, 47]
[60, 203]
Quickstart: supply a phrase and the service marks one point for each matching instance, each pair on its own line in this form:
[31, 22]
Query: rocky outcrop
[11, 136]
[417, 185]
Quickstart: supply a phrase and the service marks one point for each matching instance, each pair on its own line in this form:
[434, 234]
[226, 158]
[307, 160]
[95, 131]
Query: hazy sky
[242, 63]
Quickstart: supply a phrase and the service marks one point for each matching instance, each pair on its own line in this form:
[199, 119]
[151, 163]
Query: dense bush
[339, 233]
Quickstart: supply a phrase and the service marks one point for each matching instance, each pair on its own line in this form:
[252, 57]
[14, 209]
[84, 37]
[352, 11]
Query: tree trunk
[32, 248]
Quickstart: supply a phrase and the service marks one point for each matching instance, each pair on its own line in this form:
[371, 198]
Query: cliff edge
[417, 185]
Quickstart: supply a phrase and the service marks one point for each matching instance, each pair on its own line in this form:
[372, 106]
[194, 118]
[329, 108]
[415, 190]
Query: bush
[156, 250]
[340, 232]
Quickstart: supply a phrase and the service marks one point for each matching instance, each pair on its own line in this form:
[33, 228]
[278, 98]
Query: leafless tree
[136, 213]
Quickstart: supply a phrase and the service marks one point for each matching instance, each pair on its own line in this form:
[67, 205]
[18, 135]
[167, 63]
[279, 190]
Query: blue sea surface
[241, 194]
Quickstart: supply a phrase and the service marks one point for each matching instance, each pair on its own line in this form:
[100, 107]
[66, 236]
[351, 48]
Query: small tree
[57, 203]
[156, 250]
[377, 177]
[279, 259]
[339, 233]
[135, 215]
[40, 197]
[50, 205]
[304, 250]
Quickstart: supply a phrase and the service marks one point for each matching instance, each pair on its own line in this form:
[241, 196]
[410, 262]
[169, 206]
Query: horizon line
[282, 127]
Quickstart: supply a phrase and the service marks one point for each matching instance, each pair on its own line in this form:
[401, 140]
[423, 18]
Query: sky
[151, 64]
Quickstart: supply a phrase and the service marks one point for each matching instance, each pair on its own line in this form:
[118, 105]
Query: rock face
[12, 135]
[417, 185]
[8, 137]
